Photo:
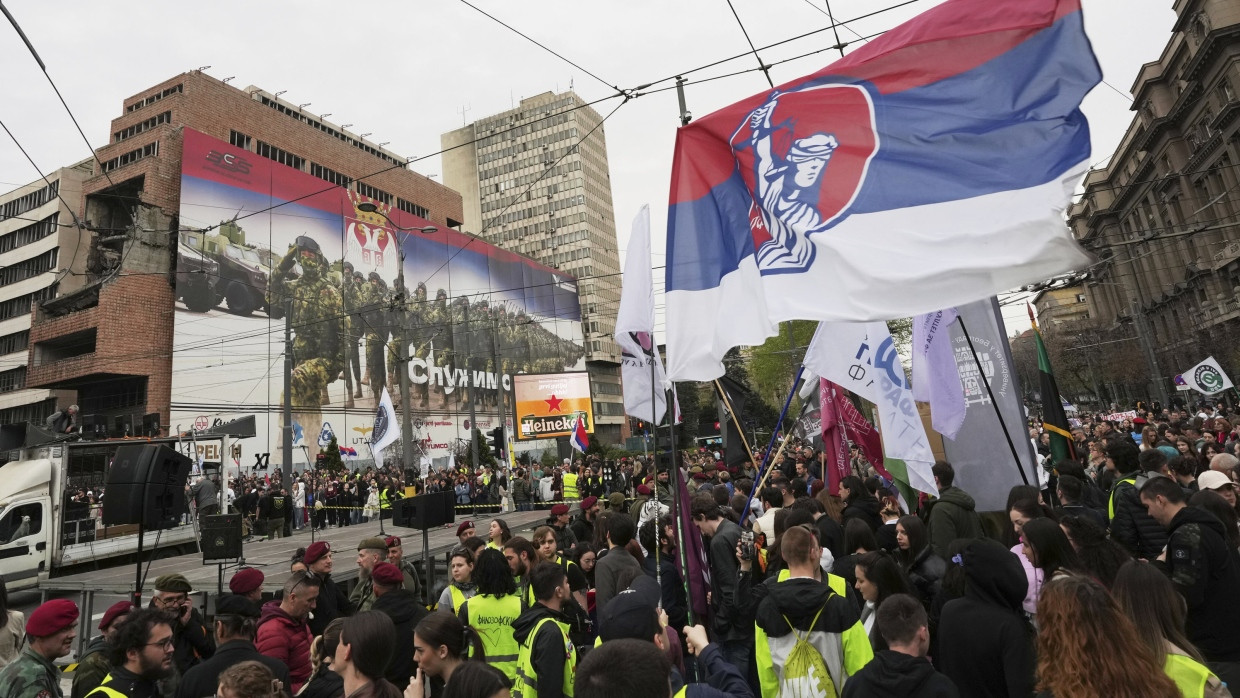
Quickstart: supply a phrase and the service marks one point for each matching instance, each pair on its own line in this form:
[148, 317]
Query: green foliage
[549, 459]
[331, 457]
[485, 457]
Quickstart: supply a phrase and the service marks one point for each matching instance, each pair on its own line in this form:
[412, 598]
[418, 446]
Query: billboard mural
[548, 405]
[260, 240]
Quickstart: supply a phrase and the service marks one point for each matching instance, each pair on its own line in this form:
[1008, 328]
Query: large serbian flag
[927, 169]
[579, 439]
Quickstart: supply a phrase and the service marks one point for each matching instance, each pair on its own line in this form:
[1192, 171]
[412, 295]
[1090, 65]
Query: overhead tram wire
[766, 69]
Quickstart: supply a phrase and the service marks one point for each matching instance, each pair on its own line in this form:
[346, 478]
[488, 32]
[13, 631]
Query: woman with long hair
[878, 577]
[1077, 617]
[858, 540]
[1157, 611]
[493, 610]
[478, 680]
[13, 630]
[324, 682]
[498, 534]
[859, 503]
[462, 586]
[1098, 556]
[440, 646]
[367, 641]
[249, 680]
[587, 555]
[1021, 512]
[1046, 547]
[924, 568]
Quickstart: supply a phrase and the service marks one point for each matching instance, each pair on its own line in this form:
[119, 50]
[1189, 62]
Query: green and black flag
[1054, 420]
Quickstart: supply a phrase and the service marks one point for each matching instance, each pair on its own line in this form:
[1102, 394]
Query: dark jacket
[564, 537]
[286, 639]
[722, 679]
[926, 574]
[830, 535]
[583, 529]
[822, 617]
[1083, 512]
[897, 675]
[202, 680]
[332, 604]
[193, 642]
[723, 567]
[953, 515]
[325, 684]
[1132, 527]
[885, 535]
[93, 667]
[132, 685]
[546, 650]
[986, 647]
[613, 574]
[405, 611]
[1206, 572]
[675, 602]
[866, 509]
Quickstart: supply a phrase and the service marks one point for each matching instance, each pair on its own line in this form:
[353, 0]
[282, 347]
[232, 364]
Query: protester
[366, 644]
[1130, 525]
[492, 612]
[193, 640]
[616, 570]
[1148, 599]
[395, 555]
[478, 680]
[440, 645]
[1215, 504]
[924, 568]
[248, 582]
[370, 552]
[498, 534]
[953, 514]
[522, 556]
[50, 631]
[587, 558]
[13, 631]
[583, 525]
[235, 628]
[282, 630]
[1098, 556]
[879, 577]
[250, 679]
[659, 564]
[859, 503]
[901, 671]
[1021, 512]
[464, 531]
[858, 540]
[94, 665]
[324, 682]
[461, 586]
[1077, 618]
[399, 604]
[608, 671]
[547, 658]
[331, 603]
[142, 654]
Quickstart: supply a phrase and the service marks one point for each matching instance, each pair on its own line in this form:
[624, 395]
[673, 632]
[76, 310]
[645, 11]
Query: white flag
[861, 357]
[635, 330]
[935, 377]
[386, 429]
[1207, 377]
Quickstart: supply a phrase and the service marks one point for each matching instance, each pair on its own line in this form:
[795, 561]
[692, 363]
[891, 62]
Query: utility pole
[472, 394]
[402, 361]
[287, 432]
[1151, 360]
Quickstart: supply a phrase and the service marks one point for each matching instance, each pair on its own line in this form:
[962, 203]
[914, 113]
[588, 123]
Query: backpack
[805, 671]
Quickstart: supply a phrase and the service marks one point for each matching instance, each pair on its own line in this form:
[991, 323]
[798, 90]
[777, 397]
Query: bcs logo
[803, 156]
[228, 161]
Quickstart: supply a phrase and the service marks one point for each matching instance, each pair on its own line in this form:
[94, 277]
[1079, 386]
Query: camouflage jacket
[31, 675]
[91, 670]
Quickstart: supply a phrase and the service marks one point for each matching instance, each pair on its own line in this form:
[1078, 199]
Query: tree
[485, 457]
[331, 461]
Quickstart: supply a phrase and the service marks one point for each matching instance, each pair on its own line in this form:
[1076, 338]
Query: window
[11, 343]
[374, 192]
[410, 207]
[36, 412]
[21, 305]
[146, 151]
[280, 155]
[239, 140]
[25, 269]
[28, 234]
[20, 522]
[330, 175]
[147, 125]
[33, 200]
[175, 89]
[13, 379]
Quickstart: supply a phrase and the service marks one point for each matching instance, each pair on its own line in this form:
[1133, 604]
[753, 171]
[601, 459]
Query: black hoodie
[403, 608]
[985, 644]
[897, 675]
[865, 508]
[1206, 572]
[547, 650]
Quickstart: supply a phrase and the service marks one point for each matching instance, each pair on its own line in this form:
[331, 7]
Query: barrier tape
[537, 504]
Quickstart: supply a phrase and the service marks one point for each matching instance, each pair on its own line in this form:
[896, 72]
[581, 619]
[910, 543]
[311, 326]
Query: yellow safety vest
[1189, 675]
[570, 485]
[492, 619]
[837, 583]
[458, 597]
[1132, 480]
[383, 498]
[856, 645]
[104, 690]
[526, 684]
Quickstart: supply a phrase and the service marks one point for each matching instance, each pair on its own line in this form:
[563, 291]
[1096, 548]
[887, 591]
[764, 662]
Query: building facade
[534, 180]
[1058, 307]
[1163, 215]
[43, 253]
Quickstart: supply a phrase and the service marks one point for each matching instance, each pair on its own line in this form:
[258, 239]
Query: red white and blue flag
[927, 169]
[580, 440]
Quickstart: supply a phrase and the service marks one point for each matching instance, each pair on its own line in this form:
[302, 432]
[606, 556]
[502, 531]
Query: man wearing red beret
[332, 602]
[51, 629]
[583, 525]
[399, 604]
[559, 521]
[248, 582]
[95, 664]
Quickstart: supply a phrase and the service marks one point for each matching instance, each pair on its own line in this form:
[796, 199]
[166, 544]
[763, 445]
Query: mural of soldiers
[351, 329]
[420, 332]
[439, 318]
[375, 316]
[398, 325]
[461, 333]
[317, 311]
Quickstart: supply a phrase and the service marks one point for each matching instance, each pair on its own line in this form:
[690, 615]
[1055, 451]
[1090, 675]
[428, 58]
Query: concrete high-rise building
[43, 254]
[532, 182]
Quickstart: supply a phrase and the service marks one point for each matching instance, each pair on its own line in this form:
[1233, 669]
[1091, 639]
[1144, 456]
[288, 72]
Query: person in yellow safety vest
[548, 551]
[145, 640]
[493, 610]
[802, 608]
[569, 479]
[547, 660]
[462, 587]
[521, 557]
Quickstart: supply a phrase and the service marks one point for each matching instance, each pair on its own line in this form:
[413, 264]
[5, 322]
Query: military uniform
[316, 318]
[375, 304]
[31, 675]
[351, 329]
[92, 669]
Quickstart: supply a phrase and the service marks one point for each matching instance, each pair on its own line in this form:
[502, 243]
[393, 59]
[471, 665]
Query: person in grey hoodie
[953, 514]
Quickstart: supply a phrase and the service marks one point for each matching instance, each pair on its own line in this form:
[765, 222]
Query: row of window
[33, 200]
[30, 233]
[608, 409]
[36, 412]
[296, 114]
[147, 125]
[329, 175]
[175, 89]
[146, 151]
[529, 177]
[542, 119]
[606, 388]
[13, 379]
[15, 342]
[410, 207]
[516, 148]
[21, 305]
[27, 268]
[280, 155]
[374, 192]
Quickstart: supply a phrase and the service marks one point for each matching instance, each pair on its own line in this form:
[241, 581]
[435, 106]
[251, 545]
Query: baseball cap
[1213, 480]
[633, 613]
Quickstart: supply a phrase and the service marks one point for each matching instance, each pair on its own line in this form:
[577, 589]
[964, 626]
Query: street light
[406, 425]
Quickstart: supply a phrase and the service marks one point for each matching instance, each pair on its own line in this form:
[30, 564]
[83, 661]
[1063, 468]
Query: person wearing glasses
[142, 657]
[235, 620]
[283, 633]
[194, 642]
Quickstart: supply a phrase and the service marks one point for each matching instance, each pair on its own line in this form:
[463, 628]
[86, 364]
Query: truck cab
[25, 522]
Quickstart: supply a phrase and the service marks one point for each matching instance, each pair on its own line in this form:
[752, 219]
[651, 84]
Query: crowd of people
[1114, 575]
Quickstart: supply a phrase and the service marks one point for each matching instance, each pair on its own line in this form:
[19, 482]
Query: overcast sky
[405, 71]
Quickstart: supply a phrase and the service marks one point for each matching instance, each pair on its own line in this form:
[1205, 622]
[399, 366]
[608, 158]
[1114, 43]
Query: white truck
[45, 533]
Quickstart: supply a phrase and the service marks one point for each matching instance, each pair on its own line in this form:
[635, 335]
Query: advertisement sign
[260, 241]
[549, 405]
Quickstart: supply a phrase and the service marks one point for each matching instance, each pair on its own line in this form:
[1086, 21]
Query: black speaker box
[425, 511]
[221, 537]
[94, 427]
[123, 426]
[150, 425]
[145, 485]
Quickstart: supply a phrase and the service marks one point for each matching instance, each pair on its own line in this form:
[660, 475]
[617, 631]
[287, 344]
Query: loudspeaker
[145, 485]
[221, 537]
[425, 511]
[94, 427]
[123, 426]
[150, 425]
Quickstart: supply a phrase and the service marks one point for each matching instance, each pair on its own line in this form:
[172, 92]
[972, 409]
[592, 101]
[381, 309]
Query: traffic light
[496, 438]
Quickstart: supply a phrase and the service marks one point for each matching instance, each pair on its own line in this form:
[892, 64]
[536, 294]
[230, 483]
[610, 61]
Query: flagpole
[724, 394]
[675, 482]
[1003, 425]
[658, 524]
[766, 458]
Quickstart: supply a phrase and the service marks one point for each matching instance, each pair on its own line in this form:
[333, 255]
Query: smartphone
[747, 545]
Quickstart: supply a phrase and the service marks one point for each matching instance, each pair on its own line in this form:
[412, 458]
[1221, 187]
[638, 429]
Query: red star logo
[553, 403]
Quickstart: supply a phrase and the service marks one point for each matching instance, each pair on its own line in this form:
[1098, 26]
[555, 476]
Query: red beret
[720, 466]
[559, 509]
[699, 476]
[316, 551]
[643, 489]
[464, 525]
[116, 610]
[588, 502]
[246, 580]
[387, 574]
[51, 618]
[392, 541]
